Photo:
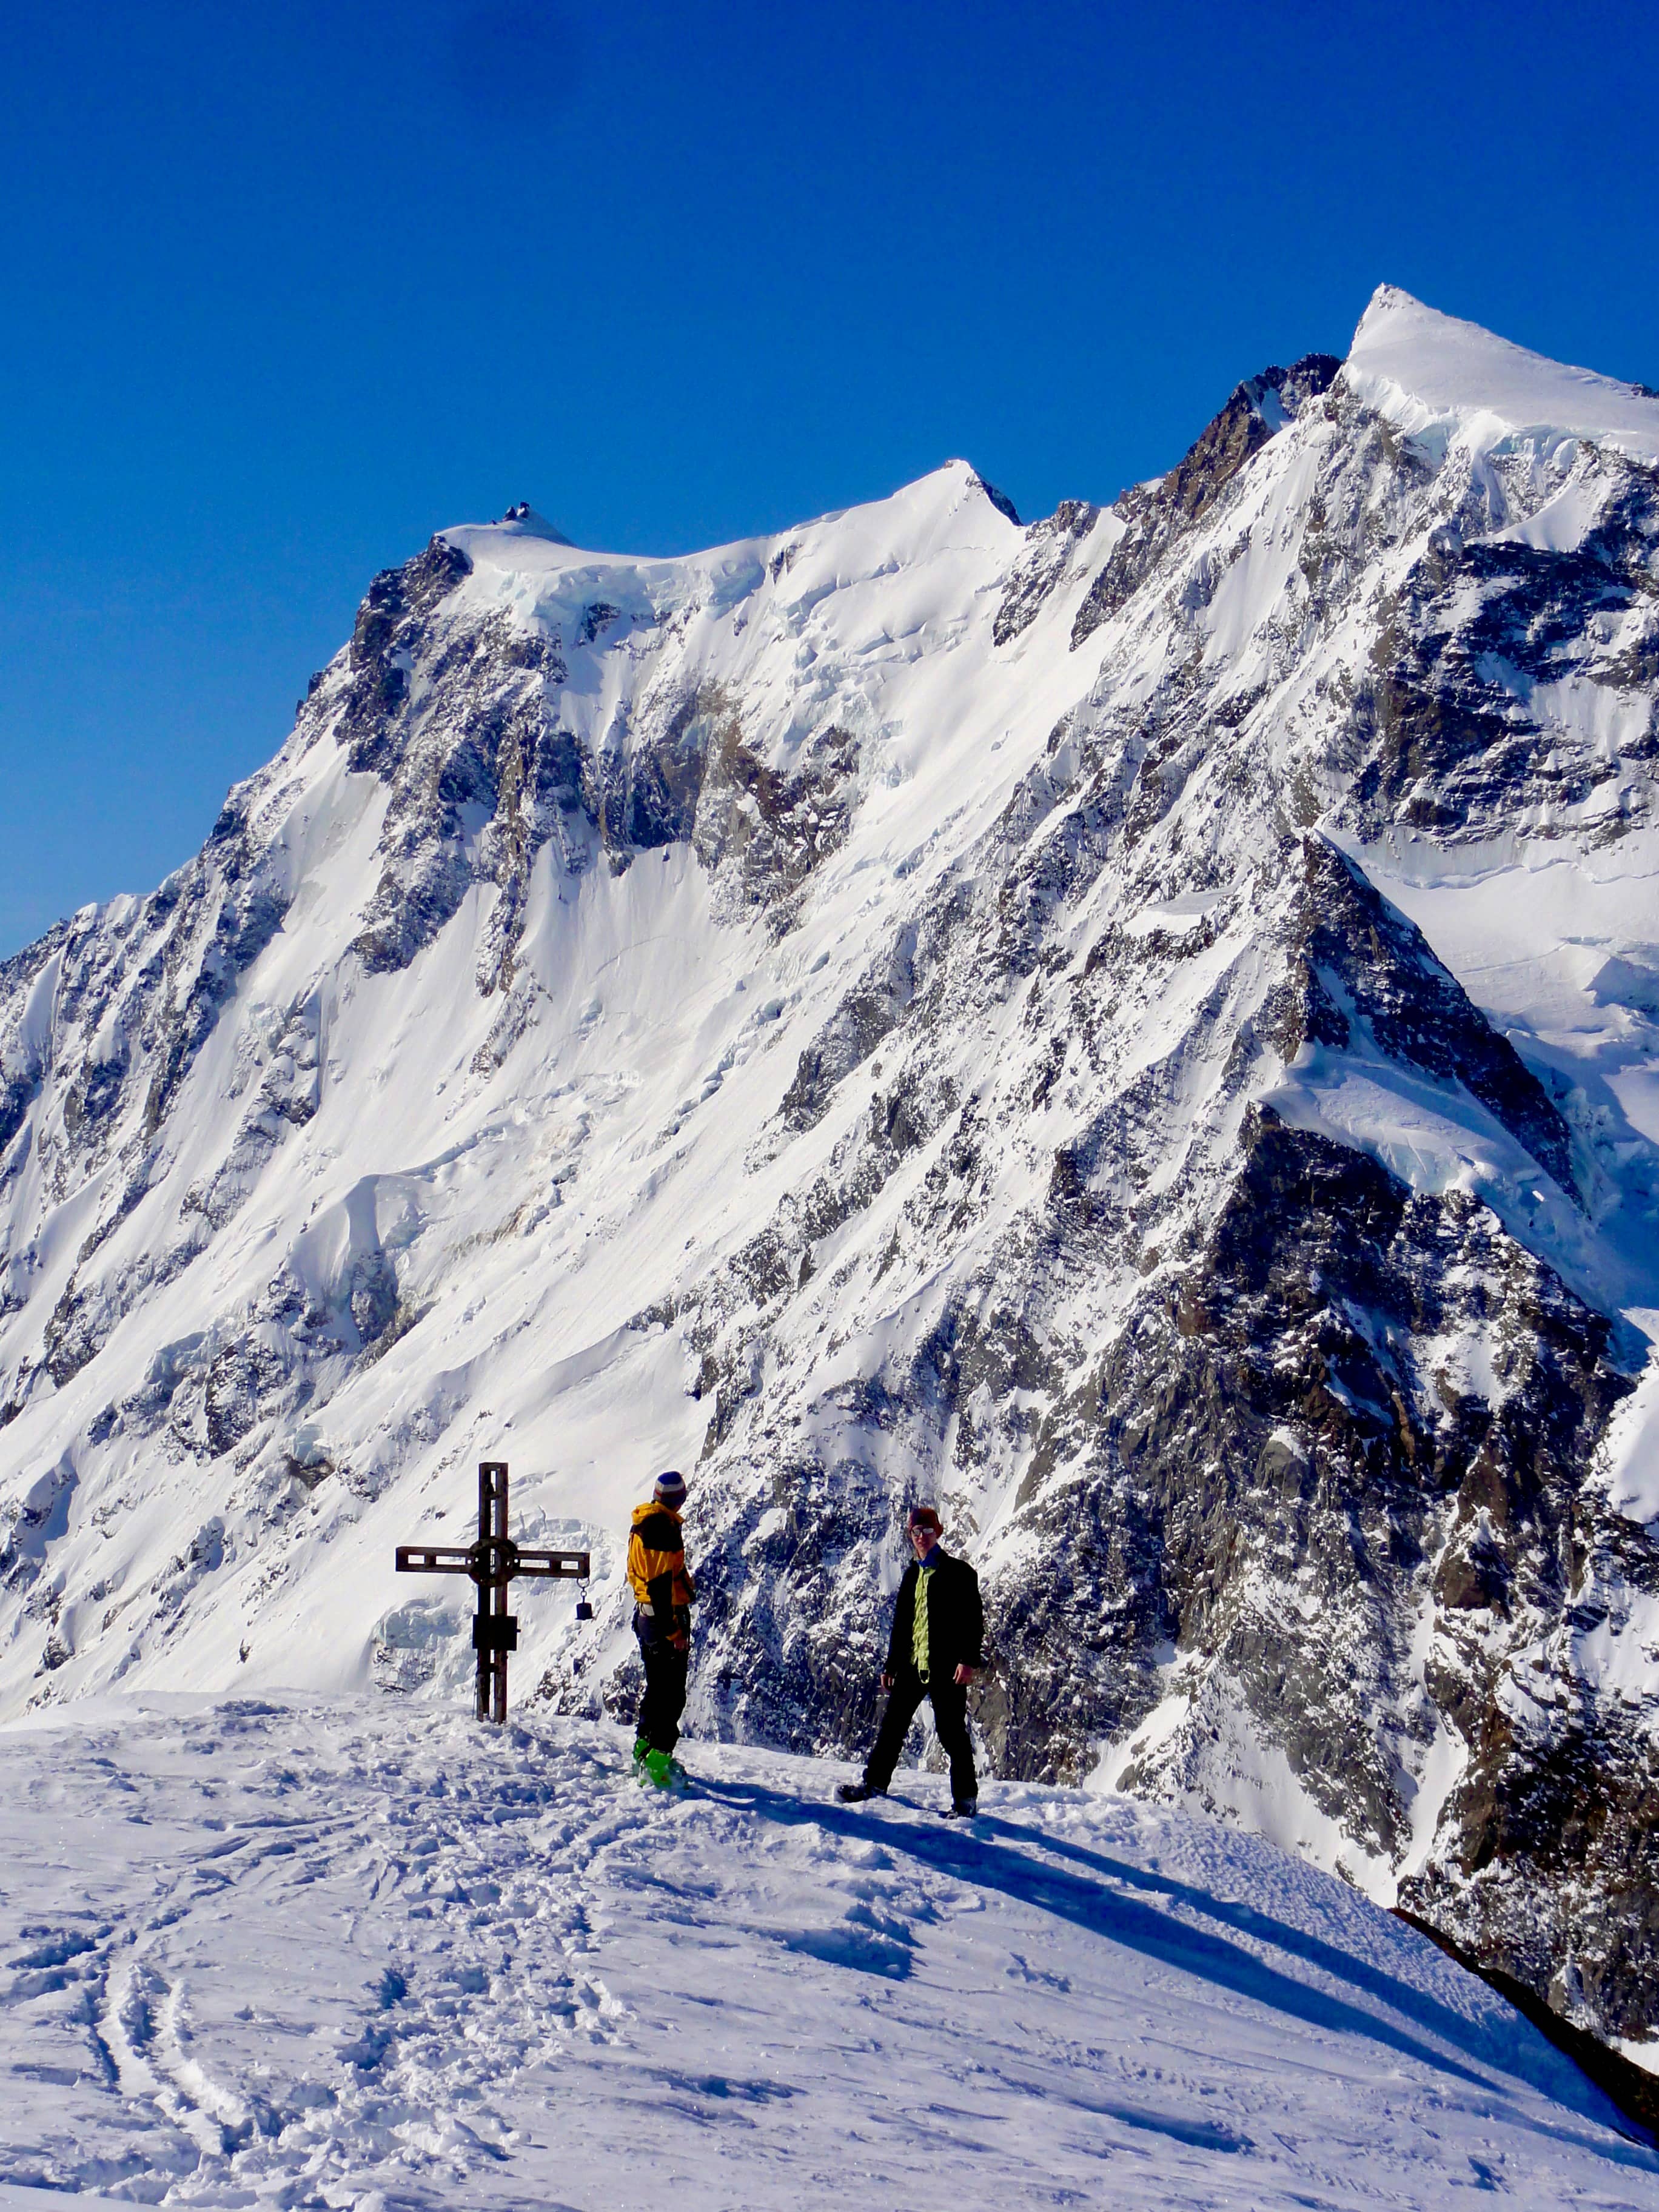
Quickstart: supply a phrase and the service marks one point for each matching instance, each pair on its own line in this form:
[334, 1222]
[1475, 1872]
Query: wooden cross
[492, 1562]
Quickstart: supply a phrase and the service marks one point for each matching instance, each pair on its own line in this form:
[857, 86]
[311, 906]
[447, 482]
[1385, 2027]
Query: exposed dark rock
[863, 1019]
[388, 625]
[999, 500]
[1361, 959]
[1478, 623]
[17, 1094]
[1280, 1424]
[1156, 514]
[1051, 548]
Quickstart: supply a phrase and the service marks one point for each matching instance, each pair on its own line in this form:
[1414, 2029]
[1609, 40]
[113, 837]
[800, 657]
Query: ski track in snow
[334, 1952]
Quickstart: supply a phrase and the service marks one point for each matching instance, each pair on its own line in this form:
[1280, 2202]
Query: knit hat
[923, 1516]
[671, 1488]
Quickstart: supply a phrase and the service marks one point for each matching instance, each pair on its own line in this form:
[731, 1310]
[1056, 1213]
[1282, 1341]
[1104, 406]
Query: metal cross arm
[561, 1565]
[480, 1560]
[492, 1563]
[435, 1560]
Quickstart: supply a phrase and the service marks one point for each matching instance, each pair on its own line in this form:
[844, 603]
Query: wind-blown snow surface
[920, 1005]
[1440, 378]
[326, 1953]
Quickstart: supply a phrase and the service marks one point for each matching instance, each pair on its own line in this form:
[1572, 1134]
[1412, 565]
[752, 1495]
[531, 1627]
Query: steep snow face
[1437, 379]
[344, 1953]
[1138, 1028]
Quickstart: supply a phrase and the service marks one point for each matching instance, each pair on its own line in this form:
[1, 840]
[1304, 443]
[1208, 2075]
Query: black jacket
[956, 1620]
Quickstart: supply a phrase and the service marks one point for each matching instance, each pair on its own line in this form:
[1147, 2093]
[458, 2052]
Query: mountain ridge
[1174, 1086]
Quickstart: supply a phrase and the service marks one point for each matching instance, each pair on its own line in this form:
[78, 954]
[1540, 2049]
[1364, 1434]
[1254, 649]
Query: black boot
[854, 1792]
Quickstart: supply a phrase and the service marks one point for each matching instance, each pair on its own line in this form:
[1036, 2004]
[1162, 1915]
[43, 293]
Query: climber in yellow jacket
[664, 1594]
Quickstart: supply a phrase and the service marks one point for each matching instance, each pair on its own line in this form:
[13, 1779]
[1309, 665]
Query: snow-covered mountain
[1144, 1028]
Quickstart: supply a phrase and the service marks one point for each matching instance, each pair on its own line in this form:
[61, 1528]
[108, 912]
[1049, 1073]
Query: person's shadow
[1001, 1854]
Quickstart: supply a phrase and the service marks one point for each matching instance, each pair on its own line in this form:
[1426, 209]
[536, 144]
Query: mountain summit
[1420, 370]
[1140, 1029]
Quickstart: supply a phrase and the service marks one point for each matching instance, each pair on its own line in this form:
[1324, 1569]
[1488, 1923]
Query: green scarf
[919, 1634]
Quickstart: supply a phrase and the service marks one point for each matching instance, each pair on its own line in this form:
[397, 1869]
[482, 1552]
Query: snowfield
[367, 1952]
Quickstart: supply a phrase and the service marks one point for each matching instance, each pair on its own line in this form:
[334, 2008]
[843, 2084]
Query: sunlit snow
[295, 1952]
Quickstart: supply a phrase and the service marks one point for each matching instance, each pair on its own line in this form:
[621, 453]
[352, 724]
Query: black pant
[949, 1719]
[664, 1693]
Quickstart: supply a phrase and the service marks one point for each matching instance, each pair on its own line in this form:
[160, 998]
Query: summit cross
[492, 1563]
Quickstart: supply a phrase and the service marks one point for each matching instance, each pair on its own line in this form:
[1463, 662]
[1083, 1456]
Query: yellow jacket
[656, 1568]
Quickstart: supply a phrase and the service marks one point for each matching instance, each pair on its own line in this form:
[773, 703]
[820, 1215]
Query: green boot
[663, 1770]
[641, 1752]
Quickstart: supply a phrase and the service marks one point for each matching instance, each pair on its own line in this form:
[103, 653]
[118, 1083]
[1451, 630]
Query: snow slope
[345, 1952]
[882, 1010]
[1438, 377]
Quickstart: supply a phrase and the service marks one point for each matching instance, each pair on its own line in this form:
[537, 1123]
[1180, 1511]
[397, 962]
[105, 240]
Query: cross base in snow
[492, 1563]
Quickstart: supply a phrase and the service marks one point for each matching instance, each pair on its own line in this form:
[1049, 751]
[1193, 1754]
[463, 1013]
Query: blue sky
[288, 288]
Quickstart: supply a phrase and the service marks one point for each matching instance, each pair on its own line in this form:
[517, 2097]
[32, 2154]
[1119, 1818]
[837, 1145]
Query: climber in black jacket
[936, 1650]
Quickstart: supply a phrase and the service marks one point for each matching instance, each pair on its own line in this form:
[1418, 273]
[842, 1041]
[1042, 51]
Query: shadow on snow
[1116, 1914]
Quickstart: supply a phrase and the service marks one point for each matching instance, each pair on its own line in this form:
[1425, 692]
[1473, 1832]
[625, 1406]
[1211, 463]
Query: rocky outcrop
[1361, 964]
[1054, 552]
[1485, 622]
[1156, 514]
